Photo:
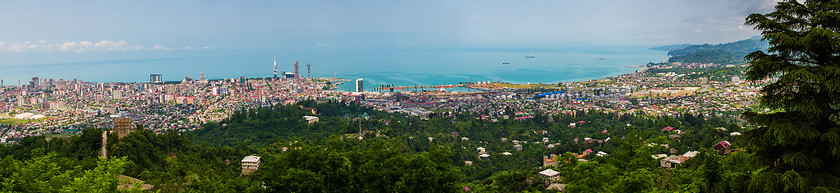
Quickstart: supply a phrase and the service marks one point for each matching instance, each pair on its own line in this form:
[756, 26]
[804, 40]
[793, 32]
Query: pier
[384, 88]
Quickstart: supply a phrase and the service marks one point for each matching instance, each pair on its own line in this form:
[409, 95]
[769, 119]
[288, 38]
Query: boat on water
[531, 56]
[505, 62]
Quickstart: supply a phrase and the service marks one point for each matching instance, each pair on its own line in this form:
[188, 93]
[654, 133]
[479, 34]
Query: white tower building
[275, 67]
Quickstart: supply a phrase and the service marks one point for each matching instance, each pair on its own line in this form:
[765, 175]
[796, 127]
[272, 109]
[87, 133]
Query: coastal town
[64, 107]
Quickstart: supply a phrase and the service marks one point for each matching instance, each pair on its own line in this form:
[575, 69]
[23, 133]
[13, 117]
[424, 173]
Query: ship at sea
[505, 62]
[531, 56]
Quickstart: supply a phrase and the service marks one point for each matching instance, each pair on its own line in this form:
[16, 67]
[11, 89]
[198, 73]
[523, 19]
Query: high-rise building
[201, 76]
[275, 68]
[308, 71]
[34, 83]
[360, 85]
[156, 78]
[243, 80]
[297, 74]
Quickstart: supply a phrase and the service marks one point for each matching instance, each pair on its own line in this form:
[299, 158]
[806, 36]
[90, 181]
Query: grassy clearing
[22, 121]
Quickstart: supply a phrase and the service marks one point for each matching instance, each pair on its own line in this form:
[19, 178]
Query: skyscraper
[33, 84]
[275, 68]
[297, 74]
[155, 78]
[360, 85]
[308, 71]
[201, 76]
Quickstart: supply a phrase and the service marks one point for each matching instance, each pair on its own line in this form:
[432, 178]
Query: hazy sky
[143, 26]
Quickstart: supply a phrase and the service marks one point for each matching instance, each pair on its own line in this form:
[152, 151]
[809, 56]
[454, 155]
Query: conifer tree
[799, 142]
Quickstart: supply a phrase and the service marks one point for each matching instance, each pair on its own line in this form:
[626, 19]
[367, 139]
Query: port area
[464, 87]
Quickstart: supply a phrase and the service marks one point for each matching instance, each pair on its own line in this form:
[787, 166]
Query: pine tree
[800, 142]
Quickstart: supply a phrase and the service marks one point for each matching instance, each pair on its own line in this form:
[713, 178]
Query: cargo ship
[531, 56]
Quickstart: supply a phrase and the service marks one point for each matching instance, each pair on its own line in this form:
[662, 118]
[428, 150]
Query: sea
[400, 67]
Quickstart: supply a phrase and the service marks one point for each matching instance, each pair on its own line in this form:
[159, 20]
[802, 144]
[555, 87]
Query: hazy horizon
[64, 34]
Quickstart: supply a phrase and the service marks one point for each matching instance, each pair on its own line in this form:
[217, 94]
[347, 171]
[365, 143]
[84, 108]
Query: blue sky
[103, 26]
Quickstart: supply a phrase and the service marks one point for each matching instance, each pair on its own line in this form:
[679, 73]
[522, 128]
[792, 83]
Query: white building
[250, 164]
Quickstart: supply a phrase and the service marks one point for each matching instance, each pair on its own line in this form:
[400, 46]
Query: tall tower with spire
[201, 76]
[275, 68]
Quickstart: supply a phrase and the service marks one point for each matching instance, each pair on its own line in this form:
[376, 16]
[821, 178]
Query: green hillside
[729, 53]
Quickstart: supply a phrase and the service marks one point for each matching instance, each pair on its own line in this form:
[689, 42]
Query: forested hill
[258, 126]
[729, 53]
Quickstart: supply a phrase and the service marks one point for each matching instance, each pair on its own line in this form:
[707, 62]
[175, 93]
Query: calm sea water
[376, 67]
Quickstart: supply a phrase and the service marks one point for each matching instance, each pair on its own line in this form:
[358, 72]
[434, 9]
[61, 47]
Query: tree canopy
[800, 143]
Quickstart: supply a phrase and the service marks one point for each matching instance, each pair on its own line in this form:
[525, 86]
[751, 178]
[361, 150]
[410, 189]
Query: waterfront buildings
[297, 74]
[275, 68]
[201, 76]
[156, 78]
[360, 85]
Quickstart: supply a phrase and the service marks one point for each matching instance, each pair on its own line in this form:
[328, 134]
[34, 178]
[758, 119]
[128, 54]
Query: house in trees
[550, 161]
[250, 164]
[550, 175]
[672, 161]
[557, 187]
[721, 145]
[311, 119]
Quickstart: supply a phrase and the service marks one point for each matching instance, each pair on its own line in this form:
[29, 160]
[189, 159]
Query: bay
[377, 67]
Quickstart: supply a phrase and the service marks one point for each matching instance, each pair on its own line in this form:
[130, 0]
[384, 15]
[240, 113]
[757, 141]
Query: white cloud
[739, 28]
[159, 47]
[77, 46]
[655, 37]
[698, 30]
[205, 47]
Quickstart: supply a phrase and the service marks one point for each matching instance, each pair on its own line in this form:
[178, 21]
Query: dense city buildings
[67, 106]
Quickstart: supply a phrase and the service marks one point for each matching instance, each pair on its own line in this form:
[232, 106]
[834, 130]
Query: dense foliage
[258, 126]
[398, 153]
[799, 144]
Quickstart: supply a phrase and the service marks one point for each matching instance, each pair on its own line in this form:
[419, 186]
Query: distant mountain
[729, 53]
[669, 48]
